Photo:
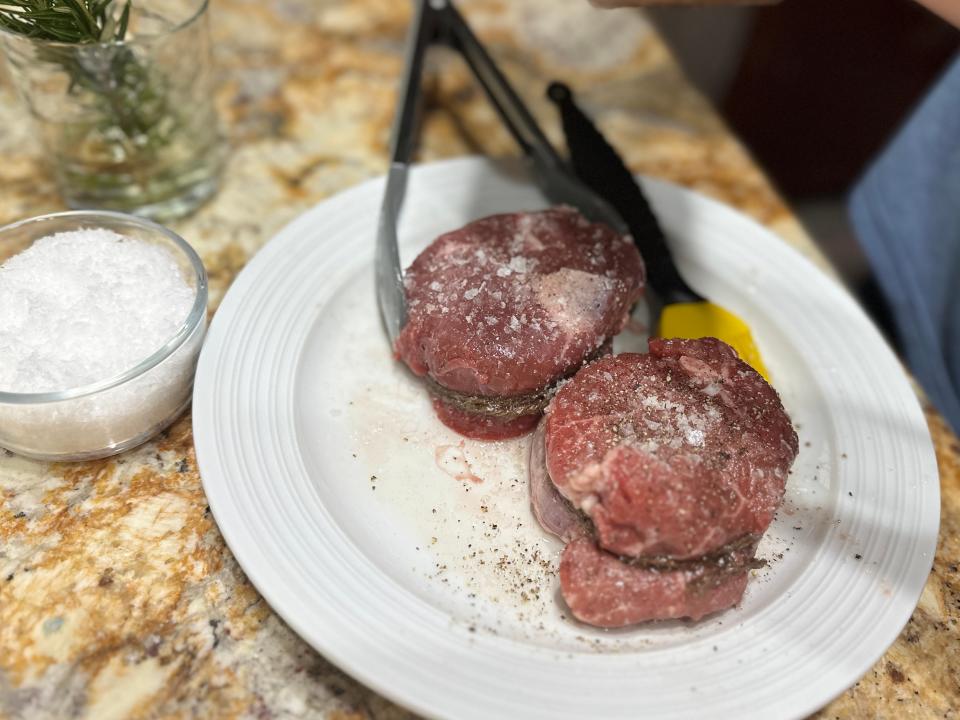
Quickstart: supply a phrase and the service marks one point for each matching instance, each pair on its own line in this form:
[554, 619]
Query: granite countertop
[118, 597]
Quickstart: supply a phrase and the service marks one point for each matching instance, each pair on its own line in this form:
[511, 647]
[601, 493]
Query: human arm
[949, 10]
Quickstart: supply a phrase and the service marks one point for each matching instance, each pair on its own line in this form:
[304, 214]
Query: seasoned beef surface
[510, 303]
[661, 472]
[602, 590]
[676, 453]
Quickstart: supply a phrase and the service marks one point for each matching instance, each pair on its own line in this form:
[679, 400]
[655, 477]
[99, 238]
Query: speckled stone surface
[118, 597]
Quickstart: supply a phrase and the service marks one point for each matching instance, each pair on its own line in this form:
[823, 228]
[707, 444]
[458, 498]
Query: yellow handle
[704, 319]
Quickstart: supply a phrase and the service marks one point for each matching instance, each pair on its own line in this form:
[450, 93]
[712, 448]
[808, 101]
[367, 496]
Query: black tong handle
[601, 168]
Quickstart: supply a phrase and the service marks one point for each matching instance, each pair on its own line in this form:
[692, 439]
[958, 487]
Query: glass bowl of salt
[102, 316]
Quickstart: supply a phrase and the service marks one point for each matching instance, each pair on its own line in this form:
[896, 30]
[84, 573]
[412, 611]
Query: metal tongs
[439, 22]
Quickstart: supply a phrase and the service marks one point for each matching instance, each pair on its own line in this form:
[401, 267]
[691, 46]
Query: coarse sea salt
[84, 307]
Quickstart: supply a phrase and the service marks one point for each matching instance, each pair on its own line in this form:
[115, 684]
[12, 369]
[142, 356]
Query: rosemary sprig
[66, 21]
[135, 122]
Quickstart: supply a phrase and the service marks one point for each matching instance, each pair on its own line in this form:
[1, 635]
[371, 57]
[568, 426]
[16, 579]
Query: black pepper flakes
[858, 556]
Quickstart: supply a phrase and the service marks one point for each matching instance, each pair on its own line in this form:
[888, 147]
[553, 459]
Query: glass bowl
[117, 413]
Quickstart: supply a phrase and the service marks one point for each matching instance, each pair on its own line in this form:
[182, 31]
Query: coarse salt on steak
[511, 303]
[661, 471]
[674, 453]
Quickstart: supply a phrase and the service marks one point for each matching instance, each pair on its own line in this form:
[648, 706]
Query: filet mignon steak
[507, 305]
[679, 459]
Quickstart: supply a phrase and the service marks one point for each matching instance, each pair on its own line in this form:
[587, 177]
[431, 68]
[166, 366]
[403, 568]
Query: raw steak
[676, 453]
[509, 304]
[483, 427]
[553, 511]
[679, 460]
[602, 590]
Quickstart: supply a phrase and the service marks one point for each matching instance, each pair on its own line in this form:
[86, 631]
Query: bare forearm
[949, 10]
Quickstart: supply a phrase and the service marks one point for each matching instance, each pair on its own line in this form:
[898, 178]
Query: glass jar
[127, 125]
[115, 413]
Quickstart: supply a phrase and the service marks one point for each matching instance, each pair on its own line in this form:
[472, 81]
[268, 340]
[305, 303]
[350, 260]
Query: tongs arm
[505, 100]
[555, 178]
[389, 273]
[424, 31]
[439, 21]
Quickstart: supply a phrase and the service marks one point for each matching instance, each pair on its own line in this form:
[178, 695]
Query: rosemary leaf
[69, 21]
[82, 13]
[124, 20]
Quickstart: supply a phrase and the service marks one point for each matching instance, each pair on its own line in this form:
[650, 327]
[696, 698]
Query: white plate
[350, 508]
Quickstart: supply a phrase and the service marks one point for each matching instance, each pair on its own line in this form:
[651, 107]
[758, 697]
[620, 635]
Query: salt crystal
[519, 264]
[83, 306]
[572, 298]
[471, 293]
